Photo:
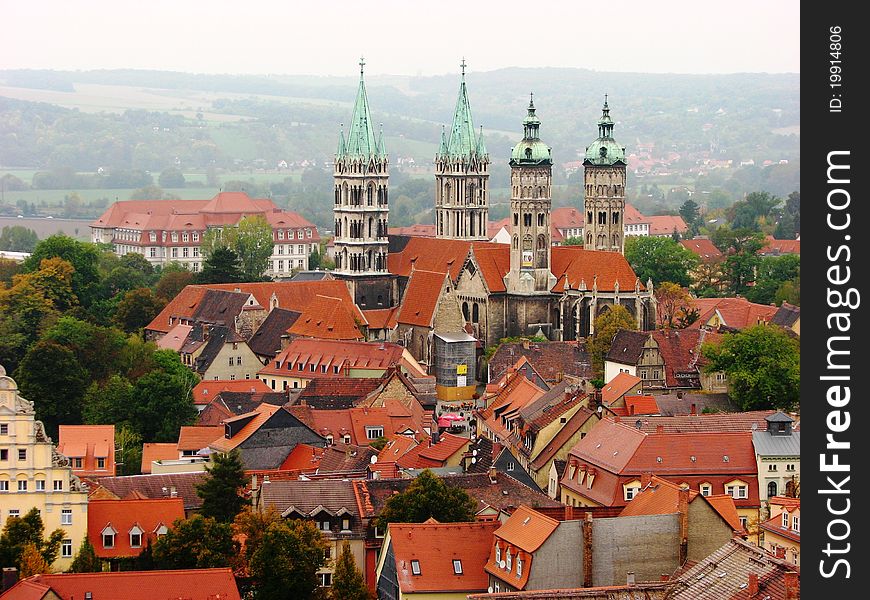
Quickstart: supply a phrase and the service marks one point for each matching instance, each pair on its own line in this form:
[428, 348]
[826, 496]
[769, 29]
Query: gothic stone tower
[531, 178]
[361, 204]
[462, 177]
[604, 191]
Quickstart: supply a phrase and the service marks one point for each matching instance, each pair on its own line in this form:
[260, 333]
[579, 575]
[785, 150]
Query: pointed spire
[481, 146]
[361, 136]
[342, 146]
[605, 123]
[382, 144]
[442, 148]
[462, 141]
[531, 124]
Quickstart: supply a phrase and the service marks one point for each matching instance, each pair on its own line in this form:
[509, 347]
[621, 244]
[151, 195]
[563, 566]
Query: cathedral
[526, 287]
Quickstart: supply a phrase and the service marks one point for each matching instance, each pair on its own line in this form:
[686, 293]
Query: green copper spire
[382, 144]
[531, 150]
[605, 150]
[462, 141]
[442, 148]
[481, 147]
[342, 146]
[361, 136]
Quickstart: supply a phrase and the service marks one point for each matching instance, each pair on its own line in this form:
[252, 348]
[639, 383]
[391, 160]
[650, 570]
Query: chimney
[10, 578]
[629, 578]
[254, 481]
[492, 475]
[631, 410]
[694, 409]
[587, 550]
[173, 493]
[683, 509]
[569, 512]
[664, 577]
[645, 480]
[752, 588]
[660, 428]
[792, 585]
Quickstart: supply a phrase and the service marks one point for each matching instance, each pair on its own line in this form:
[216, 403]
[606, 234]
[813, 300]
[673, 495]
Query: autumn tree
[84, 258]
[762, 364]
[171, 283]
[251, 525]
[19, 533]
[195, 543]
[221, 489]
[660, 259]
[32, 562]
[606, 325]
[348, 582]
[285, 565]
[674, 306]
[428, 497]
[86, 560]
[137, 308]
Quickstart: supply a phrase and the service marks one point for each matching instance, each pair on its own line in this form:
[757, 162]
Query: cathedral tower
[462, 177]
[361, 192]
[531, 178]
[604, 189]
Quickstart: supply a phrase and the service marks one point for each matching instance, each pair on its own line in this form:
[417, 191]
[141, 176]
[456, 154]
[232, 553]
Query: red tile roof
[381, 318]
[260, 416]
[89, 442]
[430, 254]
[776, 247]
[574, 267]
[333, 353]
[354, 421]
[195, 438]
[303, 458]
[742, 421]
[152, 452]
[788, 503]
[176, 337]
[724, 505]
[435, 546]
[774, 525]
[494, 261]
[122, 516]
[206, 391]
[704, 248]
[417, 230]
[666, 225]
[395, 449]
[641, 405]
[421, 298]
[618, 387]
[632, 216]
[527, 529]
[738, 313]
[326, 317]
[190, 584]
[567, 217]
[427, 454]
[680, 350]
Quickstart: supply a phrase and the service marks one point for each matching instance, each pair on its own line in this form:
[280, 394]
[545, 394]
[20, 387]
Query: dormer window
[346, 438]
[785, 519]
[519, 566]
[508, 561]
[345, 524]
[497, 553]
[415, 567]
[161, 530]
[136, 537]
[280, 234]
[706, 489]
[108, 535]
[796, 524]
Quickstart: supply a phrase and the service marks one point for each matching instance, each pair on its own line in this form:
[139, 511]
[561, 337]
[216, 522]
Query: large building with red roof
[172, 231]
[123, 528]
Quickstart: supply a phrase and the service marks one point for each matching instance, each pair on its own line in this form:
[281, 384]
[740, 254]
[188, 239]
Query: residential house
[788, 316]
[364, 425]
[121, 529]
[216, 352]
[307, 359]
[264, 437]
[272, 335]
[191, 584]
[778, 452]
[568, 221]
[637, 224]
[774, 247]
[605, 467]
[229, 404]
[781, 533]
[206, 390]
[382, 323]
[738, 571]
[164, 485]
[157, 452]
[499, 418]
[444, 450]
[544, 467]
[173, 232]
[431, 559]
[706, 522]
[192, 440]
[704, 249]
[730, 313]
[691, 403]
[614, 392]
[750, 421]
[33, 474]
[552, 360]
[90, 448]
[330, 504]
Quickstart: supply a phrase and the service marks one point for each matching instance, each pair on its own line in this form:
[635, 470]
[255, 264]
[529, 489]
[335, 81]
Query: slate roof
[786, 315]
[220, 307]
[266, 341]
[673, 404]
[337, 392]
[123, 515]
[777, 445]
[306, 498]
[435, 546]
[156, 486]
[627, 346]
[312, 276]
[550, 359]
[725, 573]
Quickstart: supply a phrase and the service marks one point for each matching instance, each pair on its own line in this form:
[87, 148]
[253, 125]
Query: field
[77, 228]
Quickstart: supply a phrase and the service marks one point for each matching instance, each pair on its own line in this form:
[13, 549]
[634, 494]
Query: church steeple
[461, 175]
[361, 139]
[604, 188]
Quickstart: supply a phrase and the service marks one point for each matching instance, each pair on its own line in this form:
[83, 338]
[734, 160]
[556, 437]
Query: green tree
[20, 532]
[691, 213]
[348, 582]
[16, 238]
[749, 213]
[771, 273]
[762, 364]
[660, 258]
[171, 283]
[110, 402]
[195, 543]
[606, 325]
[171, 178]
[129, 450]
[221, 489]
[254, 245]
[222, 266]
[216, 238]
[573, 241]
[789, 291]
[285, 565]
[86, 560]
[138, 262]
[51, 377]
[137, 309]
[428, 497]
[163, 399]
[84, 257]
[97, 349]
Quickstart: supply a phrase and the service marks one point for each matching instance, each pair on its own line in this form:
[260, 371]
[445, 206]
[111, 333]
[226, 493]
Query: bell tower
[604, 189]
[531, 179]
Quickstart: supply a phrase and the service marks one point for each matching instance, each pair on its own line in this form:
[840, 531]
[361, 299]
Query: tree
[137, 309]
[741, 248]
[120, 280]
[109, 402]
[97, 349]
[762, 364]
[21, 532]
[285, 565]
[195, 543]
[254, 245]
[84, 257]
[660, 259]
[428, 497]
[573, 241]
[220, 488]
[137, 262]
[690, 211]
[222, 266]
[251, 525]
[16, 238]
[216, 238]
[86, 560]
[749, 213]
[770, 274]
[32, 561]
[348, 582]
[171, 178]
[129, 450]
[606, 325]
[51, 377]
[54, 280]
[674, 306]
[163, 399]
[171, 283]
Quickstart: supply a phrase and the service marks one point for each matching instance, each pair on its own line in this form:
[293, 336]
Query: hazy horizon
[401, 39]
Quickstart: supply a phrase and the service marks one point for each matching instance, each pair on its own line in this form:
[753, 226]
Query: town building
[781, 533]
[121, 529]
[554, 361]
[90, 448]
[604, 188]
[165, 232]
[639, 225]
[33, 474]
[778, 451]
[568, 222]
[730, 313]
[162, 485]
[788, 316]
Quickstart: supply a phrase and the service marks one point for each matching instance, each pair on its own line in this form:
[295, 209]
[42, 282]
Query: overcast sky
[405, 37]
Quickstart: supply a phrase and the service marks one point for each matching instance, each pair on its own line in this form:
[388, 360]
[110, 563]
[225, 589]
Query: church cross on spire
[462, 65]
[362, 64]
